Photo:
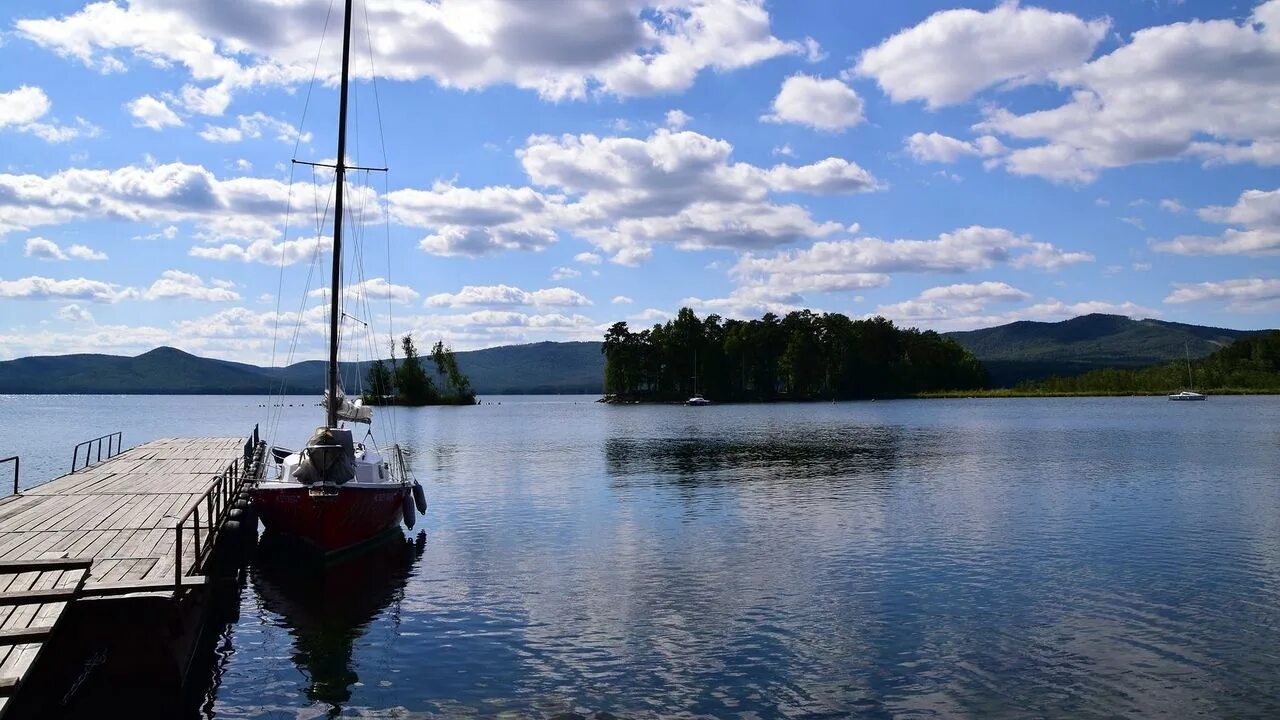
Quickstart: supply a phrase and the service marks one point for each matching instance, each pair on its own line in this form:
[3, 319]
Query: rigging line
[297, 328]
[373, 77]
[275, 329]
[315, 69]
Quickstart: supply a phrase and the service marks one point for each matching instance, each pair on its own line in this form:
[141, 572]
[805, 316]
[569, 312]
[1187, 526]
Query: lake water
[948, 558]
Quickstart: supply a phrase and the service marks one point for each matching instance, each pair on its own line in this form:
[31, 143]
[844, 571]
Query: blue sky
[557, 165]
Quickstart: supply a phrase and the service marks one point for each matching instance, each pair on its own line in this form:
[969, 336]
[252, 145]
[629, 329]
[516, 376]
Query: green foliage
[413, 385]
[460, 392]
[380, 382]
[1251, 363]
[802, 356]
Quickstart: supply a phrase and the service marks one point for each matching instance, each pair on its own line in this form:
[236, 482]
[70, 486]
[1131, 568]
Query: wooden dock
[141, 522]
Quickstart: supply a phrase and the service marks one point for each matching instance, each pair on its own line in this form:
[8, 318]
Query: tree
[447, 367]
[412, 381]
[380, 383]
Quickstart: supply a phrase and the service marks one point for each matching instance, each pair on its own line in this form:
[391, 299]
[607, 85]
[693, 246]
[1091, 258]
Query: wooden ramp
[122, 513]
[33, 596]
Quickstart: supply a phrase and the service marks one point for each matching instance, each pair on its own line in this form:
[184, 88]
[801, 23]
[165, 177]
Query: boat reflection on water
[328, 606]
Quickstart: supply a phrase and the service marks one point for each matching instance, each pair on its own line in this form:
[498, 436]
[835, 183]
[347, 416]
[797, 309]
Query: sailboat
[1188, 394]
[697, 400]
[336, 493]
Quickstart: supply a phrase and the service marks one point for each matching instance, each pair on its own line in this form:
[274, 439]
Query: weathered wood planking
[32, 598]
[119, 512]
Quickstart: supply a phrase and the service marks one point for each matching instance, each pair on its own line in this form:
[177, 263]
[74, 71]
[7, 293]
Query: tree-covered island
[409, 381]
[802, 356]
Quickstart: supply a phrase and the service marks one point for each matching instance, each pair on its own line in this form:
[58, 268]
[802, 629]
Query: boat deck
[120, 513]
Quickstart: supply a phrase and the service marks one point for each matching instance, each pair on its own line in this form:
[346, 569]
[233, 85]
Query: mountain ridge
[1012, 353]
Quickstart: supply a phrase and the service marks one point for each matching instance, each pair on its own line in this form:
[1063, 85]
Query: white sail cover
[354, 411]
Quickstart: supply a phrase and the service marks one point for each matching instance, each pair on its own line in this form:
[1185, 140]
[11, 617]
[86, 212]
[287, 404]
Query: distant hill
[1012, 353]
[1034, 350]
[548, 367]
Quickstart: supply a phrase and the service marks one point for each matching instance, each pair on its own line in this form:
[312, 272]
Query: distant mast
[341, 171]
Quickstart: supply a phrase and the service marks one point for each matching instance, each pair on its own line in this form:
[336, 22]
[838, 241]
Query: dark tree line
[409, 382]
[802, 356]
[1249, 364]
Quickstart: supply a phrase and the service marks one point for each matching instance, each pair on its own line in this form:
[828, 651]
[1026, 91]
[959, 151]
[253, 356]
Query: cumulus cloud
[564, 273]
[252, 127]
[500, 295]
[21, 110]
[373, 289]
[477, 221]
[822, 104]
[935, 147]
[587, 258]
[42, 249]
[43, 288]
[1256, 215]
[952, 303]
[625, 49]
[954, 54]
[677, 119]
[74, 313]
[175, 192]
[621, 300]
[1203, 89]
[152, 113]
[179, 285]
[1242, 295]
[266, 252]
[625, 194]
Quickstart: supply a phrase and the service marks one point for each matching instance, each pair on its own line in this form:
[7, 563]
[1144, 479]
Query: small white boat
[697, 401]
[1186, 395]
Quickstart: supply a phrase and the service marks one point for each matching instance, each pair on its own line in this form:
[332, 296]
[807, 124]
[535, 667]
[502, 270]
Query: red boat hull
[333, 521]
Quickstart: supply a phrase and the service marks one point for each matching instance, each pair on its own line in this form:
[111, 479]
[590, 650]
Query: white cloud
[43, 288]
[677, 119]
[587, 258]
[179, 285]
[954, 54]
[21, 108]
[1242, 295]
[500, 295]
[1199, 88]
[650, 315]
[952, 303]
[1257, 217]
[784, 150]
[1171, 205]
[679, 187]
[862, 262]
[235, 207]
[252, 127]
[564, 273]
[84, 252]
[74, 313]
[625, 49]
[822, 104]
[621, 300]
[373, 289]
[476, 221]
[266, 252]
[152, 113]
[42, 249]
[936, 147]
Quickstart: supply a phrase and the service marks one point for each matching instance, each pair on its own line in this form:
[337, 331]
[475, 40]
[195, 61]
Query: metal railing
[207, 515]
[17, 463]
[114, 442]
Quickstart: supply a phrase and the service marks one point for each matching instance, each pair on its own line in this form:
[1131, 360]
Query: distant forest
[1249, 364]
[802, 356]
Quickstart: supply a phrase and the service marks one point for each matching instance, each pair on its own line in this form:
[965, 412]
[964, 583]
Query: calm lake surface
[943, 558]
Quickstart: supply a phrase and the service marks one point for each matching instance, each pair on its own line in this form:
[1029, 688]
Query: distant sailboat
[1188, 394]
[697, 400]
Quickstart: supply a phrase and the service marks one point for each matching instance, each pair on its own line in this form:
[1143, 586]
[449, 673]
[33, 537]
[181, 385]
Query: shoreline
[996, 393]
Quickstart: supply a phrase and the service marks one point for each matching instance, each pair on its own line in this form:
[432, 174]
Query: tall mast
[336, 284]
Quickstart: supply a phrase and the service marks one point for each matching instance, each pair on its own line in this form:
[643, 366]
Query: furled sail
[354, 411]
